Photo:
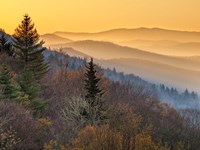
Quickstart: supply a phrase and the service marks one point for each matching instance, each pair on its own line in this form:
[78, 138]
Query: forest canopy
[49, 100]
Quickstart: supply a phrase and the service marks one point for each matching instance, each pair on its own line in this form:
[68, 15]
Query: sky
[99, 15]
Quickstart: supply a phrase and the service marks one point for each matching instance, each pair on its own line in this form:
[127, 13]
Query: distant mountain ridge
[54, 39]
[172, 71]
[108, 50]
[124, 34]
[156, 40]
[166, 47]
[126, 29]
[179, 100]
[156, 72]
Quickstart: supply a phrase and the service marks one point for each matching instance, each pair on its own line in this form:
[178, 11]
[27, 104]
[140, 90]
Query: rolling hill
[108, 50]
[117, 35]
[156, 40]
[156, 72]
[165, 47]
[140, 51]
[181, 72]
[53, 39]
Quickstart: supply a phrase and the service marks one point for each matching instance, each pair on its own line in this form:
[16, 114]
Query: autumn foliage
[55, 115]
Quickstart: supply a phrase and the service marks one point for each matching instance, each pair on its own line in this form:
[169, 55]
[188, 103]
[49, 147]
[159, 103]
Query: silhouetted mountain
[161, 41]
[173, 71]
[71, 52]
[54, 39]
[166, 93]
[165, 47]
[156, 72]
[108, 50]
[135, 34]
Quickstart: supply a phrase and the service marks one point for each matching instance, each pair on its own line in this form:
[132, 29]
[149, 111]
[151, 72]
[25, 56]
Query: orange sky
[98, 15]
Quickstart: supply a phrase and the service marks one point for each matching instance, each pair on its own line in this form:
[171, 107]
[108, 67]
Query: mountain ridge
[139, 28]
[108, 50]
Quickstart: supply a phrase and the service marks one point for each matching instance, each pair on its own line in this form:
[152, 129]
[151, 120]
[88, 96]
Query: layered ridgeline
[179, 99]
[172, 55]
[71, 104]
[180, 72]
[162, 41]
[176, 73]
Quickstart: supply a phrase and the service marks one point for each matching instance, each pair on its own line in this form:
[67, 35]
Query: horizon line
[122, 28]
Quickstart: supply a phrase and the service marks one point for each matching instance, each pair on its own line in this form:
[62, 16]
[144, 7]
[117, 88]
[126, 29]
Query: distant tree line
[161, 91]
[78, 105]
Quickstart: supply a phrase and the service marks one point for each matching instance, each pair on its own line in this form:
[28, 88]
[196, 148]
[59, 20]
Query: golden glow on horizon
[98, 15]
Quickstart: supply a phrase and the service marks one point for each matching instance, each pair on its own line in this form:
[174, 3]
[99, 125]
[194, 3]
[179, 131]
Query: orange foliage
[103, 137]
[145, 142]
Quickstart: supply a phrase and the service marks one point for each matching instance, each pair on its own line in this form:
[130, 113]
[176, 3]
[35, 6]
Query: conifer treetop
[28, 49]
[26, 34]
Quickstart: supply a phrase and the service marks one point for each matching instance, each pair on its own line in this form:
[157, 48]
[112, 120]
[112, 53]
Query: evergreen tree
[186, 94]
[28, 47]
[91, 83]
[10, 89]
[28, 84]
[93, 95]
[33, 89]
[5, 45]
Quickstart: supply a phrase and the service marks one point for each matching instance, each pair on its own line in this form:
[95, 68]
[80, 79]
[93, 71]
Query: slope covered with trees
[175, 97]
[76, 105]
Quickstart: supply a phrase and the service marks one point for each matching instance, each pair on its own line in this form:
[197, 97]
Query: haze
[120, 34]
[98, 15]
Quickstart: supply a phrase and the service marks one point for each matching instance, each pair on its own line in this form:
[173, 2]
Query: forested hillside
[171, 95]
[50, 101]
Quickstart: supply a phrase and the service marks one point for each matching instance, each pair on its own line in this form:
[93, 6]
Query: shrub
[8, 139]
[145, 142]
[99, 138]
[122, 119]
[21, 121]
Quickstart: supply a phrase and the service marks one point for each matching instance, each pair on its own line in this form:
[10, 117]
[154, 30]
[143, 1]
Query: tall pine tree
[28, 47]
[93, 96]
[30, 53]
[91, 83]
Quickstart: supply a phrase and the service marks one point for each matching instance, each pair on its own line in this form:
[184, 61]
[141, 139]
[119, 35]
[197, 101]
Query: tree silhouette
[95, 112]
[91, 83]
[29, 48]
